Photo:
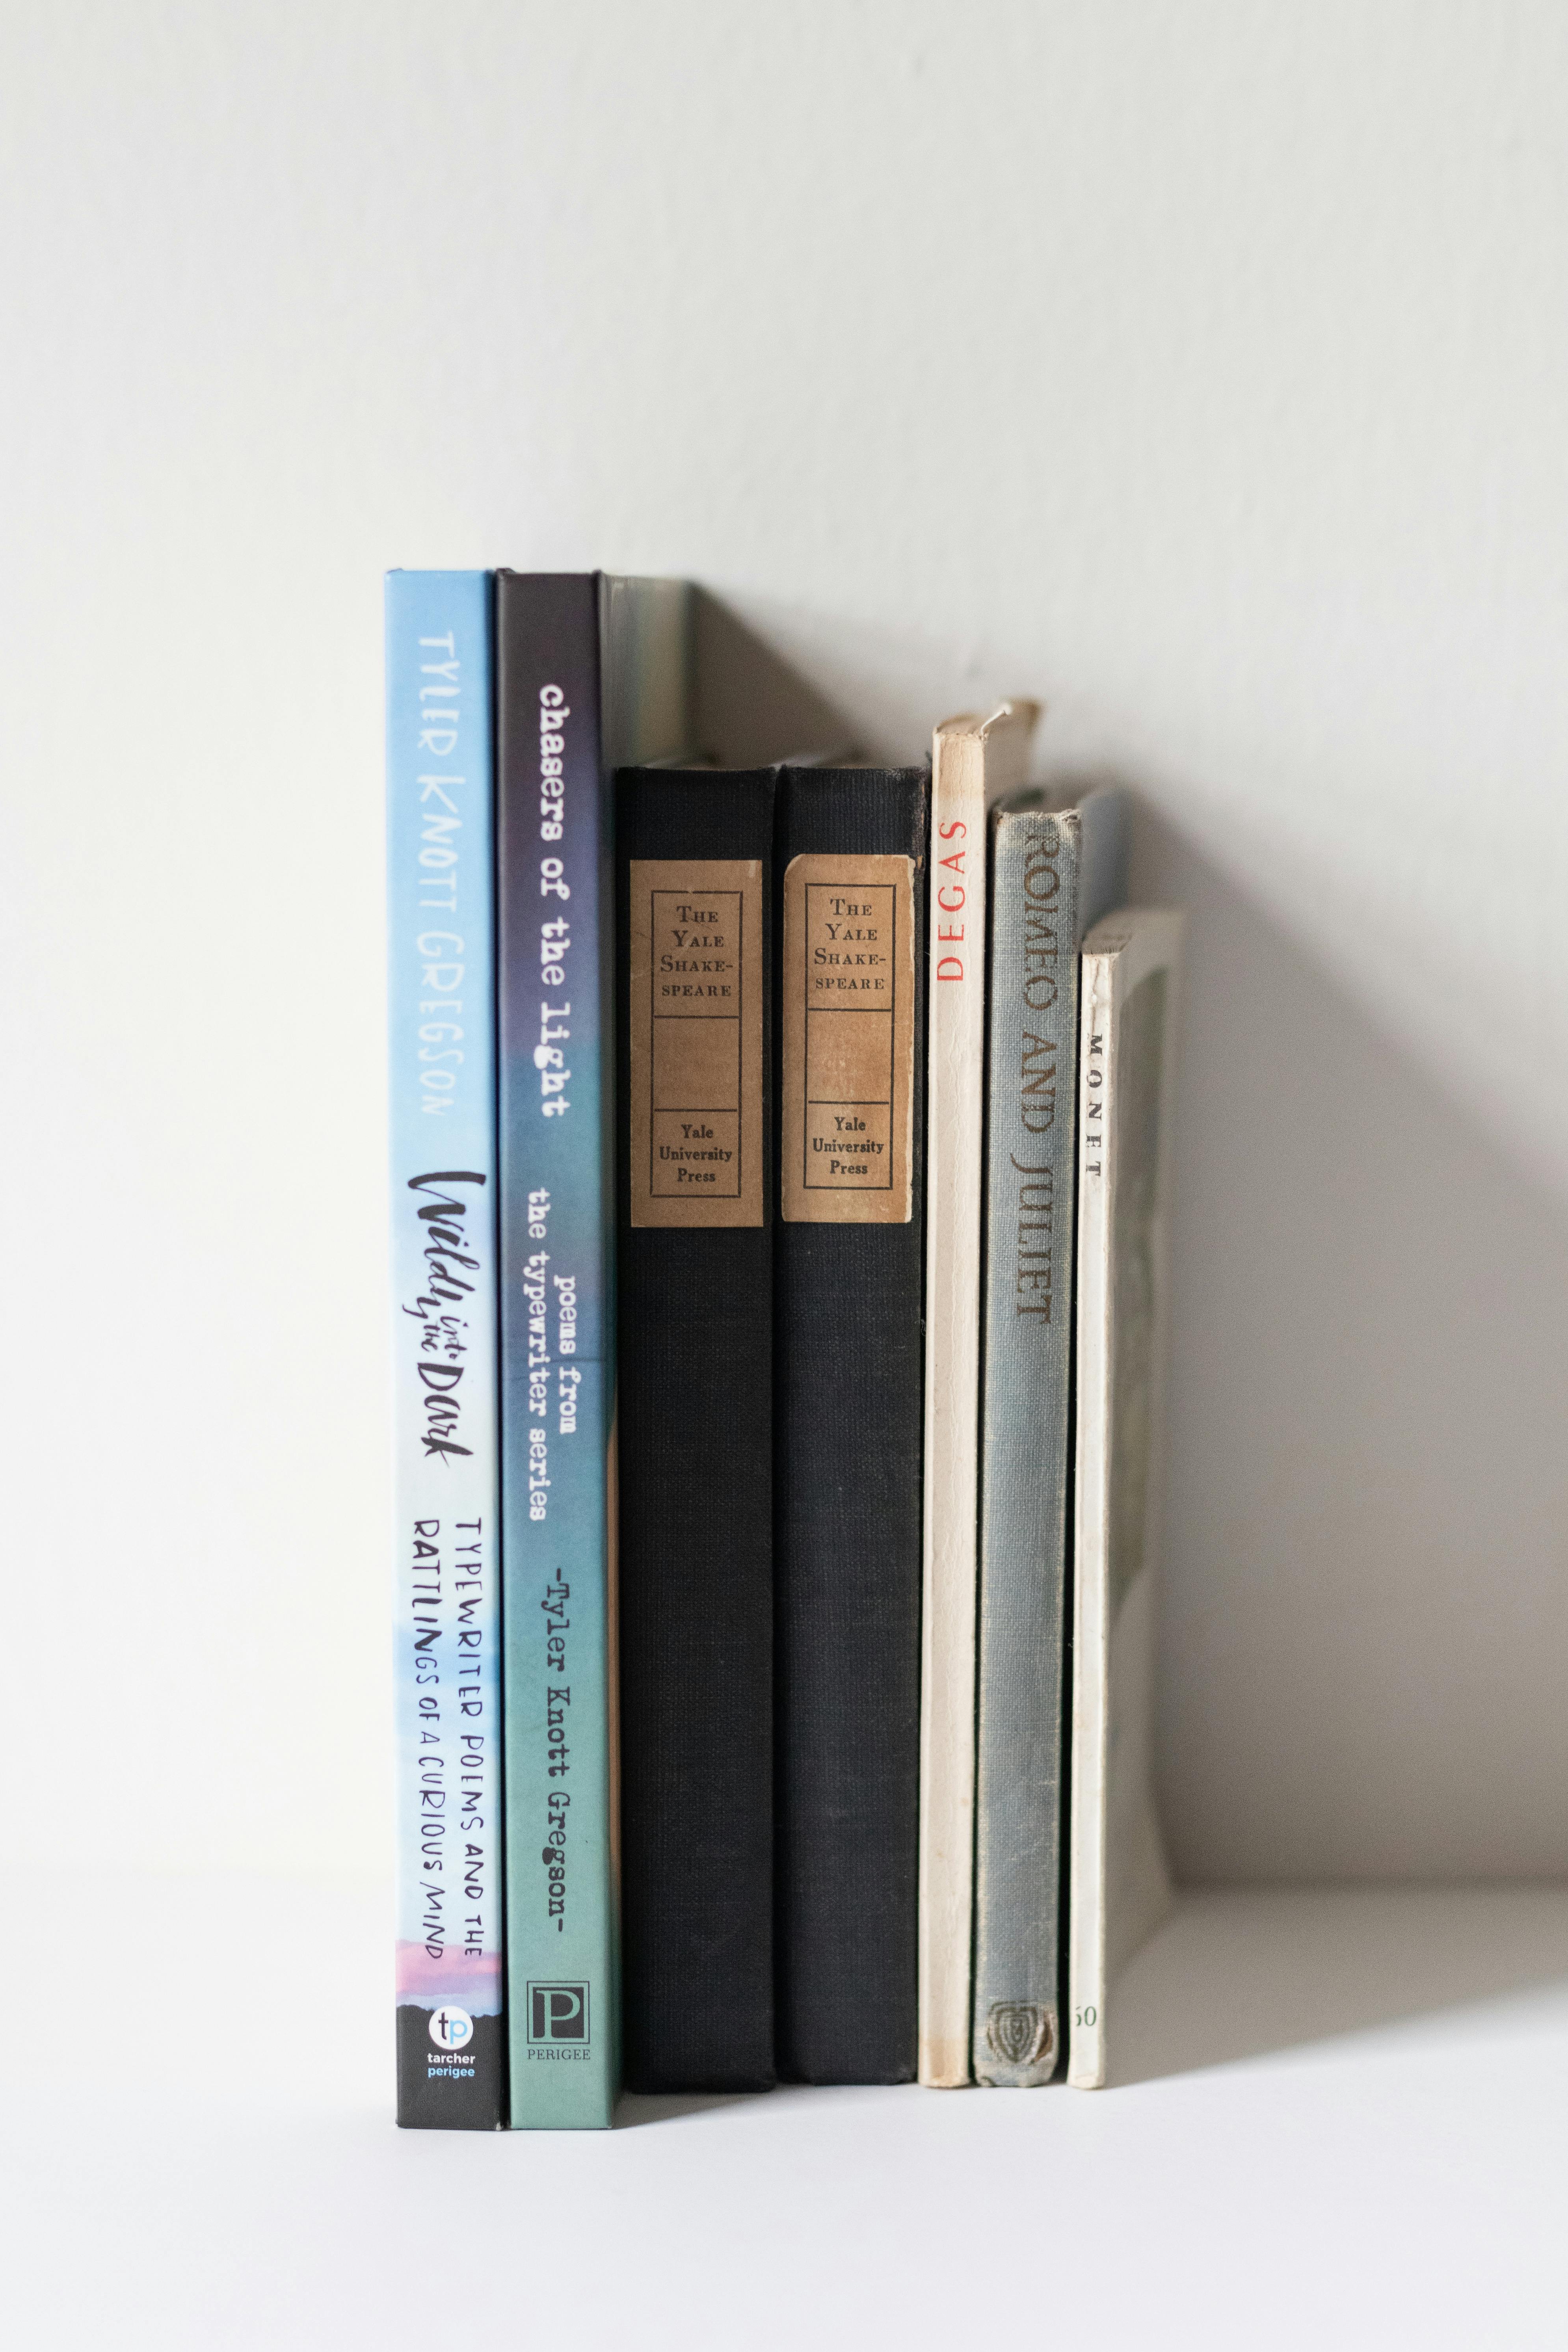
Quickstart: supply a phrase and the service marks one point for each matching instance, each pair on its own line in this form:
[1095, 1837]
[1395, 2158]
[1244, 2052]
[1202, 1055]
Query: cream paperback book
[974, 762]
[1119, 1886]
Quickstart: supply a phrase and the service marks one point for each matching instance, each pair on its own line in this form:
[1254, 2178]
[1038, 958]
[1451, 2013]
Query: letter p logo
[558, 2012]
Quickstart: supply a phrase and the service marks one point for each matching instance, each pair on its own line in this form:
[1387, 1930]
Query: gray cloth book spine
[1054, 873]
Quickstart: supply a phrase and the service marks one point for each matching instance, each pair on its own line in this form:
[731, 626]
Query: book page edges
[1002, 737]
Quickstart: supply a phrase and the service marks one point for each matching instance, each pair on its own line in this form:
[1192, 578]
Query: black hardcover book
[696, 1182]
[849, 1355]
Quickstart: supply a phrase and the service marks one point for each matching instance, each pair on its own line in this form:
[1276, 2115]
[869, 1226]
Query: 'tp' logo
[451, 2028]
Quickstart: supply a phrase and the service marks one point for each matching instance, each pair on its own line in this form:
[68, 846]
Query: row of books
[779, 1205]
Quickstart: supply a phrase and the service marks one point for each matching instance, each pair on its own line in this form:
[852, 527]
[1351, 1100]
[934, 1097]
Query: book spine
[955, 1124]
[1032, 1056]
[694, 860]
[451, 2062]
[556, 947]
[849, 1366]
[1092, 1619]
[1120, 1885]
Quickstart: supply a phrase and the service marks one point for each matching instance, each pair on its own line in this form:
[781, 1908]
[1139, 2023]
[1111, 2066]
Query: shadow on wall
[1365, 1643]
[1365, 1635]
[751, 707]
[1234, 1975]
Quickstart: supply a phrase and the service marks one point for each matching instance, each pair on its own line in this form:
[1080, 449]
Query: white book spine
[1097, 1145]
[1119, 1886]
[954, 1130]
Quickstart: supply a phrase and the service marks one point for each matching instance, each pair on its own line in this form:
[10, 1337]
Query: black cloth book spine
[695, 1343]
[849, 1382]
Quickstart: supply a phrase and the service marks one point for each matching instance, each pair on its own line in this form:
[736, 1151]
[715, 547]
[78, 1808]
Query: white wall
[1204, 367]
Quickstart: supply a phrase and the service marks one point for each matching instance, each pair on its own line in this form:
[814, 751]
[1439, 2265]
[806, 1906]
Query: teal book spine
[451, 2056]
[555, 914]
[1051, 873]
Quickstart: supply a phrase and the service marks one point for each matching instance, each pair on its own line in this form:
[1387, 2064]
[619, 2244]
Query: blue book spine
[451, 2057]
[1051, 875]
[557, 915]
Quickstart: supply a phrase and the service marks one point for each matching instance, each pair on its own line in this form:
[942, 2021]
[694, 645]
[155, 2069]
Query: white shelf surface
[1339, 2119]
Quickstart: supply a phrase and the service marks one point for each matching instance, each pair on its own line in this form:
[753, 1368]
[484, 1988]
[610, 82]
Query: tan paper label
[697, 1041]
[848, 1040]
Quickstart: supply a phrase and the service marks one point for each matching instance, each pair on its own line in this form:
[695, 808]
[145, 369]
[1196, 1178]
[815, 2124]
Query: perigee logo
[451, 2028]
[558, 2012]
